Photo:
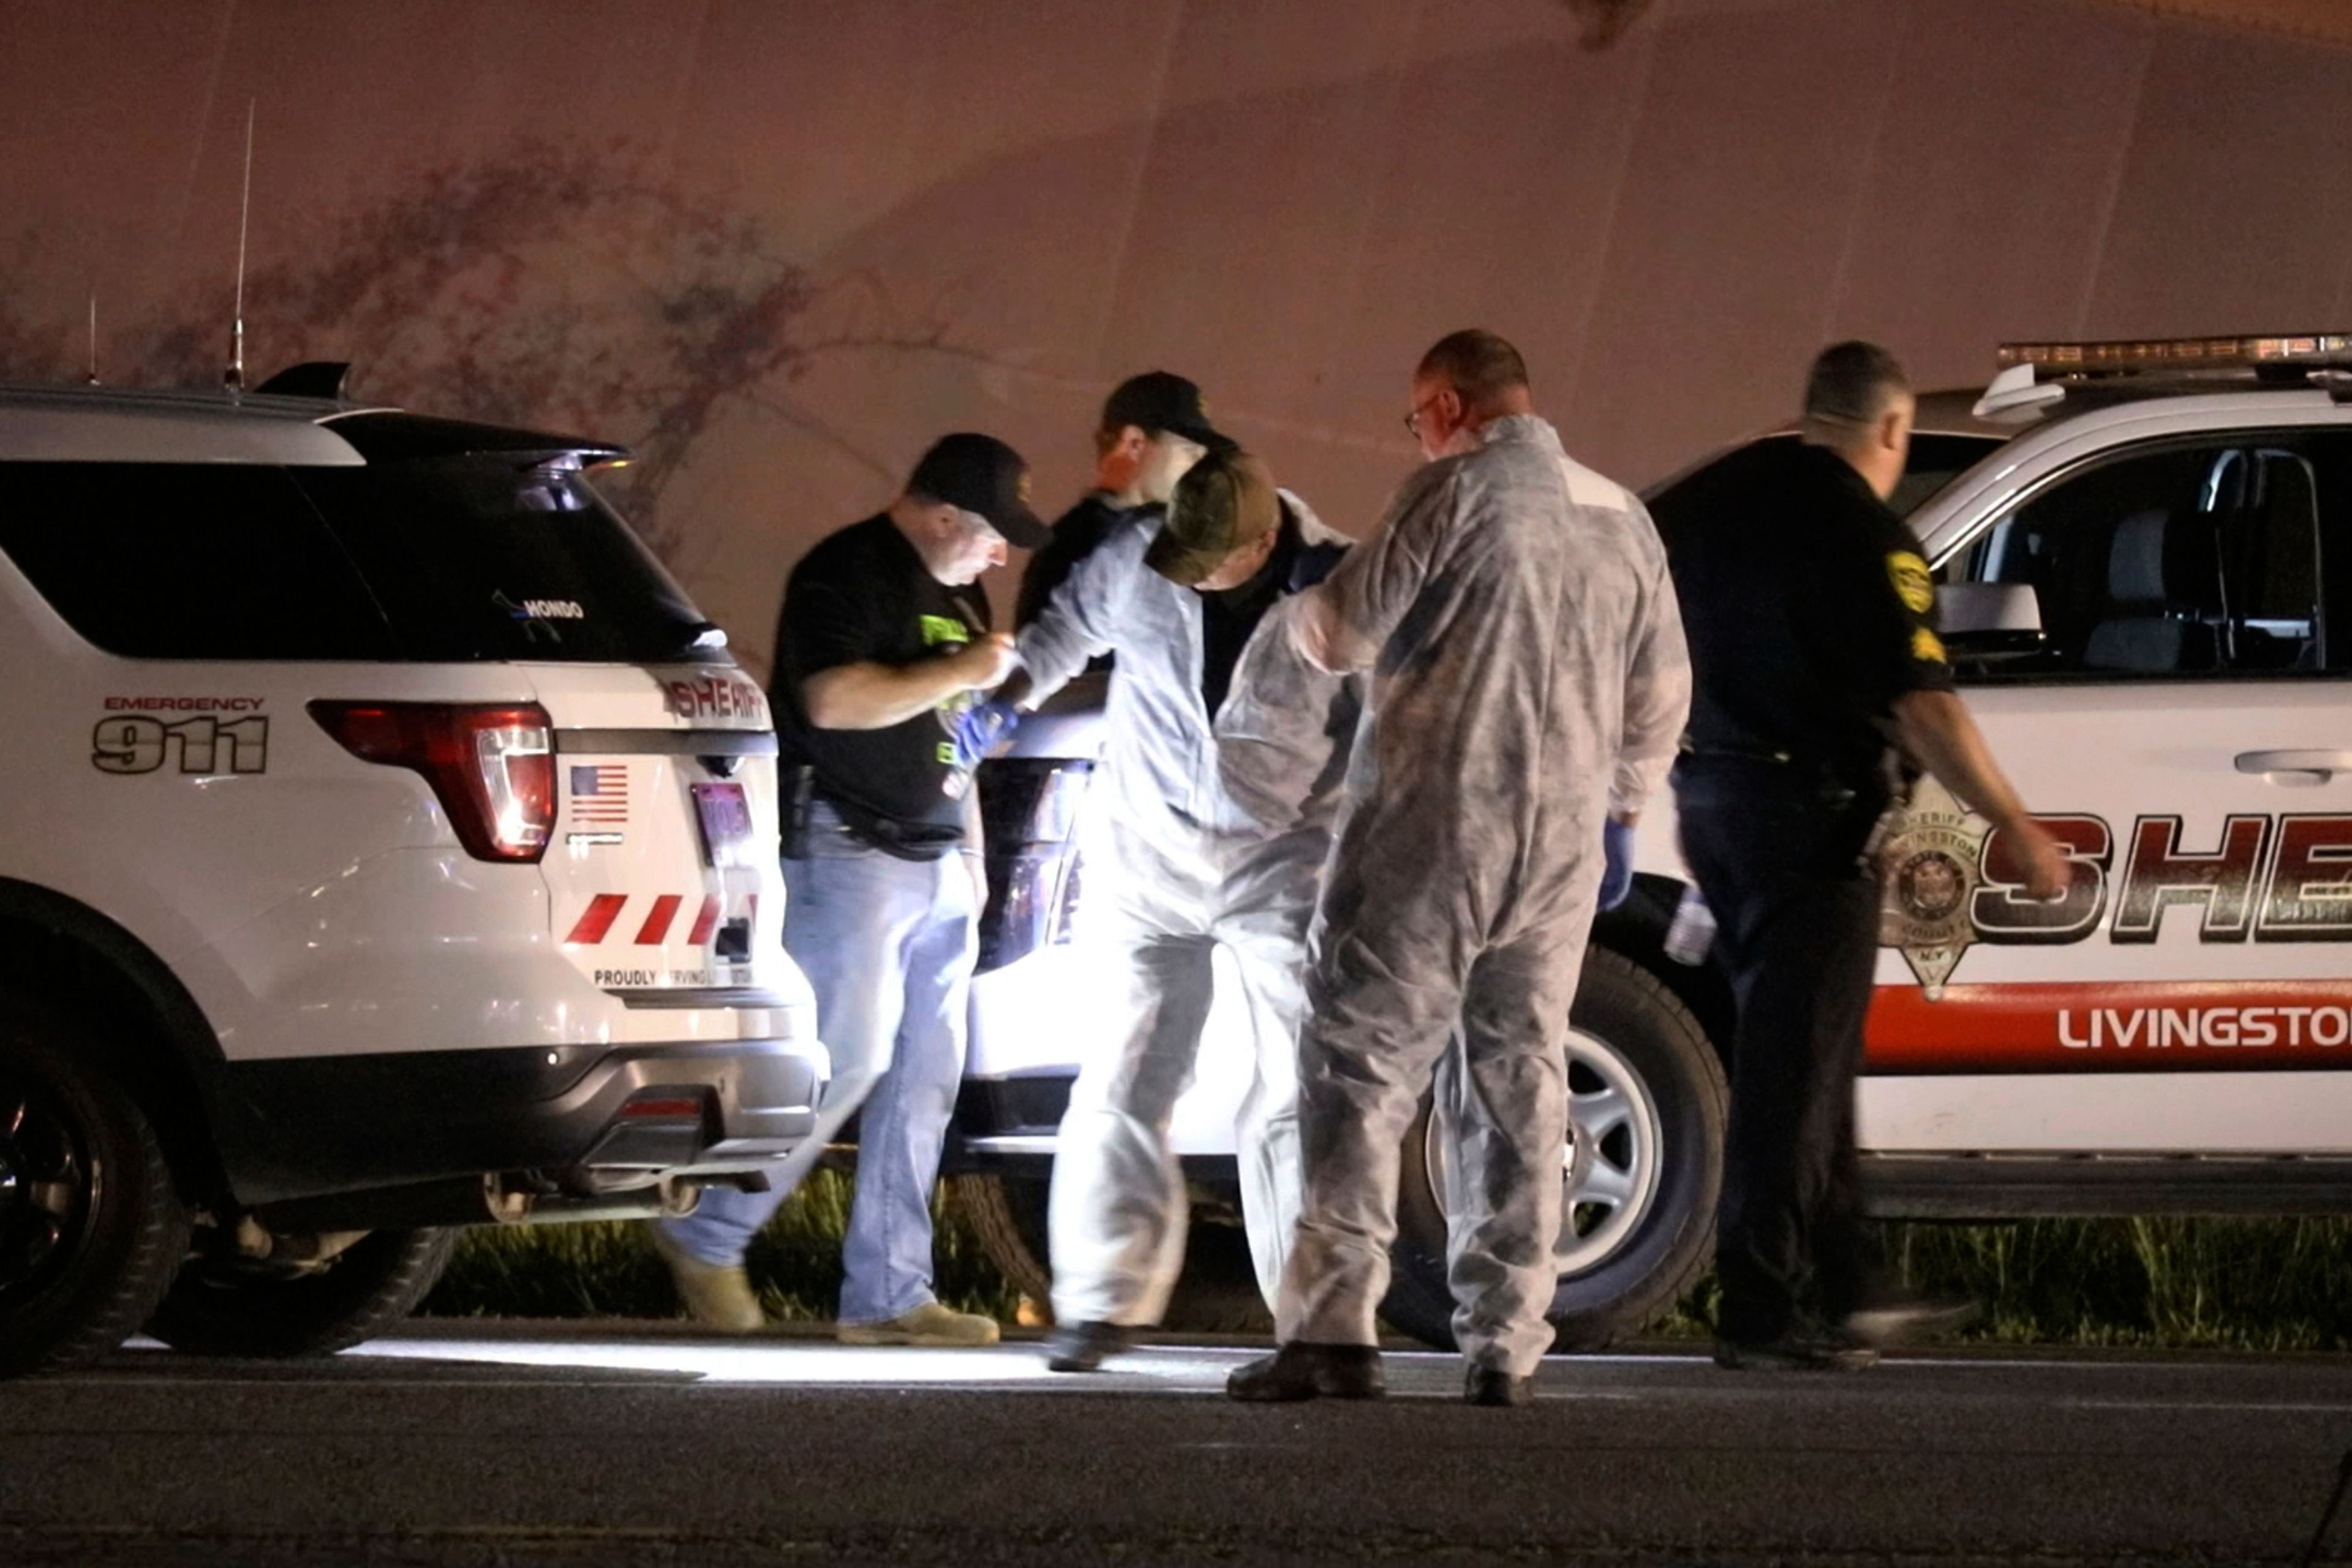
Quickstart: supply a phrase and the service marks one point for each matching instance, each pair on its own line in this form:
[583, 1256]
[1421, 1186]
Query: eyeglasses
[1413, 420]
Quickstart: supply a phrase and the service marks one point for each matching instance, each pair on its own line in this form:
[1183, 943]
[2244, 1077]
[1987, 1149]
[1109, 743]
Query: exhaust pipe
[510, 1198]
[515, 1199]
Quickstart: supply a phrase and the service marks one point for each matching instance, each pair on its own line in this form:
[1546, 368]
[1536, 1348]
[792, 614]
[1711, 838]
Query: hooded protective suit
[1530, 677]
[1213, 829]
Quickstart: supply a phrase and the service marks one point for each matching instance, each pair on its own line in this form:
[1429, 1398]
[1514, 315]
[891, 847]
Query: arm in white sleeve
[1344, 622]
[1658, 701]
[1086, 614]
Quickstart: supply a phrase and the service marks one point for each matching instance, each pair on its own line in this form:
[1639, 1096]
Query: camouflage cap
[1224, 502]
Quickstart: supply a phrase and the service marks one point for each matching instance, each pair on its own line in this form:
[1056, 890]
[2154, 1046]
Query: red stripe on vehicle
[597, 918]
[2157, 1026]
[656, 924]
[704, 923]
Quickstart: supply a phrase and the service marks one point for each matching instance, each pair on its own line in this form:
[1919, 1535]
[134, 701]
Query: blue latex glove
[980, 729]
[1617, 849]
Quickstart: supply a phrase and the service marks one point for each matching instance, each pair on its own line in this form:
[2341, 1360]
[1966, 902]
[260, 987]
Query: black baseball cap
[982, 473]
[1157, 401]
[1224, 501]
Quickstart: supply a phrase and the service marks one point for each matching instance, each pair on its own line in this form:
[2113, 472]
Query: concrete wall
[783, 244]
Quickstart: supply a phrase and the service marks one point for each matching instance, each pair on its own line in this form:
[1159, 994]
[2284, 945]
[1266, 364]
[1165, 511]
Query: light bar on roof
[2306, 350]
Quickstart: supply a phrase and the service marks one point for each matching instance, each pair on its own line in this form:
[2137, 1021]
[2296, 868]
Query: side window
[187, 561]
[2330, 454]
[2188, 560]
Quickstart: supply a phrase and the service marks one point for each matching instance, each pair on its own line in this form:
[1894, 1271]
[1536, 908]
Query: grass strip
[594, 1270]
[2239, 1284]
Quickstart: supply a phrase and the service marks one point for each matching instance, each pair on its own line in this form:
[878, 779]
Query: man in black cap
[1153, 428]
[1821, 685]
[882, 651]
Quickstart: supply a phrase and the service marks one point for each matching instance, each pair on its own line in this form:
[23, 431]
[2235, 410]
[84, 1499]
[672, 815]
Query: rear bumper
[600, 1116]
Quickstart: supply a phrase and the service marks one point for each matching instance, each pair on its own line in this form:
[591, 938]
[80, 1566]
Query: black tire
[90, 1227]
[226, 1305]
[1665, 1249]
[1008, 1214]
[1217, 1294]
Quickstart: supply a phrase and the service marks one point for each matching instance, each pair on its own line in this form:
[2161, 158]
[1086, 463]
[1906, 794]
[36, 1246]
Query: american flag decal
[600, 793]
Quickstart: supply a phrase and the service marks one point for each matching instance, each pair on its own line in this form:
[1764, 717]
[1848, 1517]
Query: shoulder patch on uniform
[1913, 585]
[1926, 647]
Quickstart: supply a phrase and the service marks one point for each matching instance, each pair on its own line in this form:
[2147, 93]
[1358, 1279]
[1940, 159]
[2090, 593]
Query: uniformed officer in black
[1821, 688]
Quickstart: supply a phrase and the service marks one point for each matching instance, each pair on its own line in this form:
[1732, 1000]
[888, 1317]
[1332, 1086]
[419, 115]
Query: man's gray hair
[1851, 385]
[1479, 366]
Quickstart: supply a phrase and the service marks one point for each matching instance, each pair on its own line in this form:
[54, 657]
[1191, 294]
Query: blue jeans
[889, 946]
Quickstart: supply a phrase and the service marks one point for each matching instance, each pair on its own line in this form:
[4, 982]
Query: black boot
[1798, 1348]
[1084, 1347]
[1303, 1370]
[1492, 1385]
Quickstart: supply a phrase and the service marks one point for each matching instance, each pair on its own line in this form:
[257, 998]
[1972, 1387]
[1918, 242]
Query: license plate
[726, 817]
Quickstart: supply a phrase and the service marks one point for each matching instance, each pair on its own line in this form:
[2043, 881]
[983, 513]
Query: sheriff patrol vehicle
[2144, 559]
[388, 845]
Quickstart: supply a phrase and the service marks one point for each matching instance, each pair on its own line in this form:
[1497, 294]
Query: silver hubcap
[1610, 1168]
[46, 1188]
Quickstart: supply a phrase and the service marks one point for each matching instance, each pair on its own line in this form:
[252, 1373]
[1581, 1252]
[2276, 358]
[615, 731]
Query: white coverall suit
[1214, 830]
[1528, 676]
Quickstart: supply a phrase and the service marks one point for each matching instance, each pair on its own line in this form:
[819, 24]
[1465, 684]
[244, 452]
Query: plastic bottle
[1693, 932]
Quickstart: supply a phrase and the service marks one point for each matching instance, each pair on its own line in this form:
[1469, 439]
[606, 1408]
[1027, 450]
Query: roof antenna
[235, 378]
[93, 335]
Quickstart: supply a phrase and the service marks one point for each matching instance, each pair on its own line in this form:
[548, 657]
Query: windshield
[505, 555]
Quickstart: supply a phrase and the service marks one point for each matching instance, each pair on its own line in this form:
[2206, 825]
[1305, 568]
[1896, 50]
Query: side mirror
[1989, 621]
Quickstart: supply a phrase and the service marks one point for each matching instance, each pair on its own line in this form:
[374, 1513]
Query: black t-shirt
[1808, 606]
[862, 596]
[1076, 534]
[1228, 616]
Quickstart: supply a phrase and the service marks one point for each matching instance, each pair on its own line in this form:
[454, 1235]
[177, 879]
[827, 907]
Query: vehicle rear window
[504, 556]
[188, 560]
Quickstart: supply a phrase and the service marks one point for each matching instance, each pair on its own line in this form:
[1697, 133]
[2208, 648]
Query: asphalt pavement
[609, 1444]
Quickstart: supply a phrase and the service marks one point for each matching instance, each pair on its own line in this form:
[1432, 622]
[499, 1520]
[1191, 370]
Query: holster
[800, 789]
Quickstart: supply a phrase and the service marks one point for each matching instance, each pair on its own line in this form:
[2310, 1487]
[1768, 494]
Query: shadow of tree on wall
[550, 285]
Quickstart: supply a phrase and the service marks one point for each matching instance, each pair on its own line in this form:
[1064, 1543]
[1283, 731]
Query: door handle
[2314, 767]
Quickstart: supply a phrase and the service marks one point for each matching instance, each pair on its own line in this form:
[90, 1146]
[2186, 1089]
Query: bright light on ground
[789, 1362]
[816, 1363]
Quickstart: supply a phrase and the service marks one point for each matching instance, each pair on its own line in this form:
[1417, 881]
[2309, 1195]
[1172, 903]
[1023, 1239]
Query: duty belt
[1835, 790]
[1838, 787]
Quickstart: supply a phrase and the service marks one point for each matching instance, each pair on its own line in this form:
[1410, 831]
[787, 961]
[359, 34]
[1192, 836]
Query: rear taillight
[492, 767]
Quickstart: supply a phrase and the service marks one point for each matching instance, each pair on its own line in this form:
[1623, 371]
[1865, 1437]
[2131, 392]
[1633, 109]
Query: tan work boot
[716, 1297]
[928, 1324]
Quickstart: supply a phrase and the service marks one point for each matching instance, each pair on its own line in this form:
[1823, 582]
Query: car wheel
[1217, 1292]
[90, 1228]
[1644, 1163]
[1008, 1214]
[225, 1304]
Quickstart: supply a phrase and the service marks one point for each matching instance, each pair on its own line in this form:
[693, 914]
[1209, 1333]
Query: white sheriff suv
[387, 845]
[2144, 554]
